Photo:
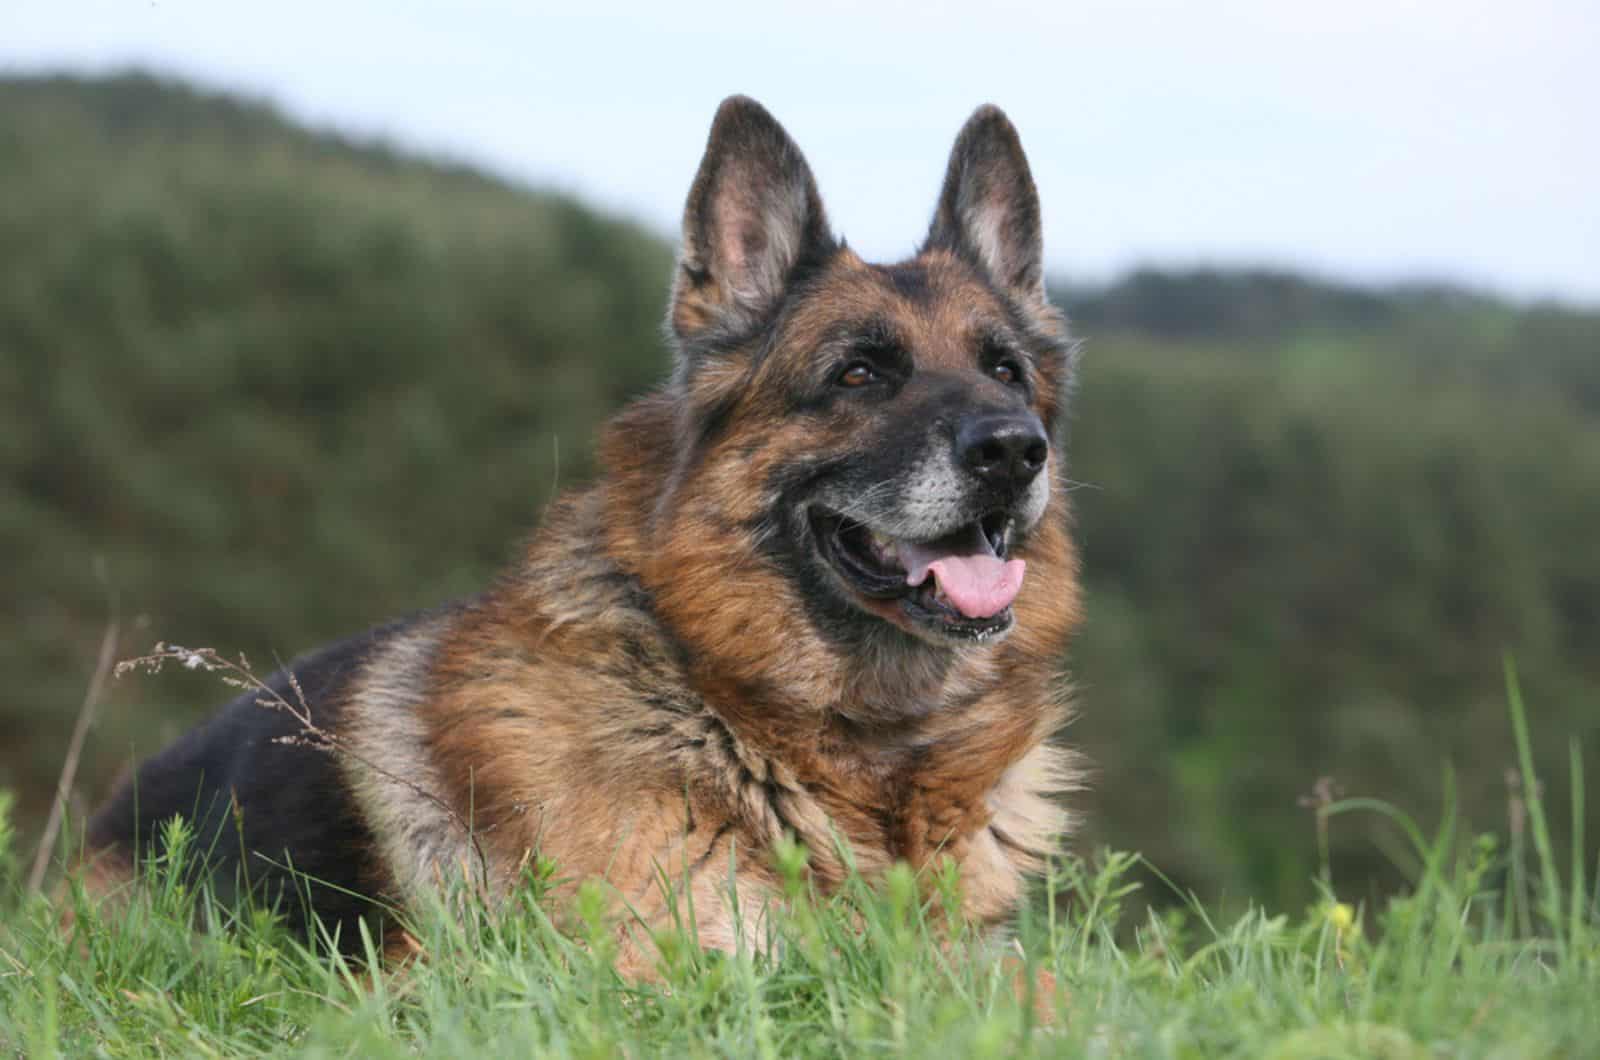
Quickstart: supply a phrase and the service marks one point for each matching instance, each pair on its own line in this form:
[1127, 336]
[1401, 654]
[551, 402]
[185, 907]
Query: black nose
[1005, 451]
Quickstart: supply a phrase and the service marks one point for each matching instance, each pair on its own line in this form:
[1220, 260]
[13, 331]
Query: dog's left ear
[988, 210]
[753, 215]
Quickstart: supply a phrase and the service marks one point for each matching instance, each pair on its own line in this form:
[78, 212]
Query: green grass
[1494, 951]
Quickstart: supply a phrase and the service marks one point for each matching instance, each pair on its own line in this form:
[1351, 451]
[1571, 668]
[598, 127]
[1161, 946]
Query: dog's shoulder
[533, 719]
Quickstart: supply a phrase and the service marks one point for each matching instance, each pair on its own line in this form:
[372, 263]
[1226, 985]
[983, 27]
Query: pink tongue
[978, 582]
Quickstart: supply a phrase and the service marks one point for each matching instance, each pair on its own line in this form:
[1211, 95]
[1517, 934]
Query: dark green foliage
[1312, 563]
[288, 386]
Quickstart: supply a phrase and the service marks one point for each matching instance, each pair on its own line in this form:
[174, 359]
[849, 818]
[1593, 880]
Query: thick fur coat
[823, 589]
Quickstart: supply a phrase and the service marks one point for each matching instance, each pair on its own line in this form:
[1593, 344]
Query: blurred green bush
[282, 386]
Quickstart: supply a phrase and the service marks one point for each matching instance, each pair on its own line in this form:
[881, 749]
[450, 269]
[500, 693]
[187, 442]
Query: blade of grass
[69, 768]
[1535, 802]
[1580, 888]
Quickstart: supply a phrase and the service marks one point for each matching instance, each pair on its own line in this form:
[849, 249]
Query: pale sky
[1369, 140]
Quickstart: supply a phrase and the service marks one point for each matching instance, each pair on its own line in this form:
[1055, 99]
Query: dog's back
[265, 809]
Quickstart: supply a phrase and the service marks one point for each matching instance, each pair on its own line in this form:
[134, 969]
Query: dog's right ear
[752, 217]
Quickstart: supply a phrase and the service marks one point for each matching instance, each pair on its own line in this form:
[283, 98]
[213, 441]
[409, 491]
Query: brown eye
[858, 374]
[1007, 372]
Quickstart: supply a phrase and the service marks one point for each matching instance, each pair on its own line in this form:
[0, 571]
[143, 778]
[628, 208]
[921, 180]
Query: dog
[822, 591]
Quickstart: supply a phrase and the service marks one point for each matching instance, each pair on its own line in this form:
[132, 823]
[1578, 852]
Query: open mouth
[961, 584]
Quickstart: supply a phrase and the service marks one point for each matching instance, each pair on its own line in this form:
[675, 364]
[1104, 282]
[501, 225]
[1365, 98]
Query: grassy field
[1493, 952]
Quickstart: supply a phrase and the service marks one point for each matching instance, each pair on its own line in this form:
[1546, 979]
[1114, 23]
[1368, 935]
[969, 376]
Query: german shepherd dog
[822, 590]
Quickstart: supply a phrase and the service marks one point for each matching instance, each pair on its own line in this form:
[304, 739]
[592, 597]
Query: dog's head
[882, 436]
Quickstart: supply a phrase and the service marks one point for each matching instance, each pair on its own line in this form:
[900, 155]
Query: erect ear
[753, 215]
[988, 210]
